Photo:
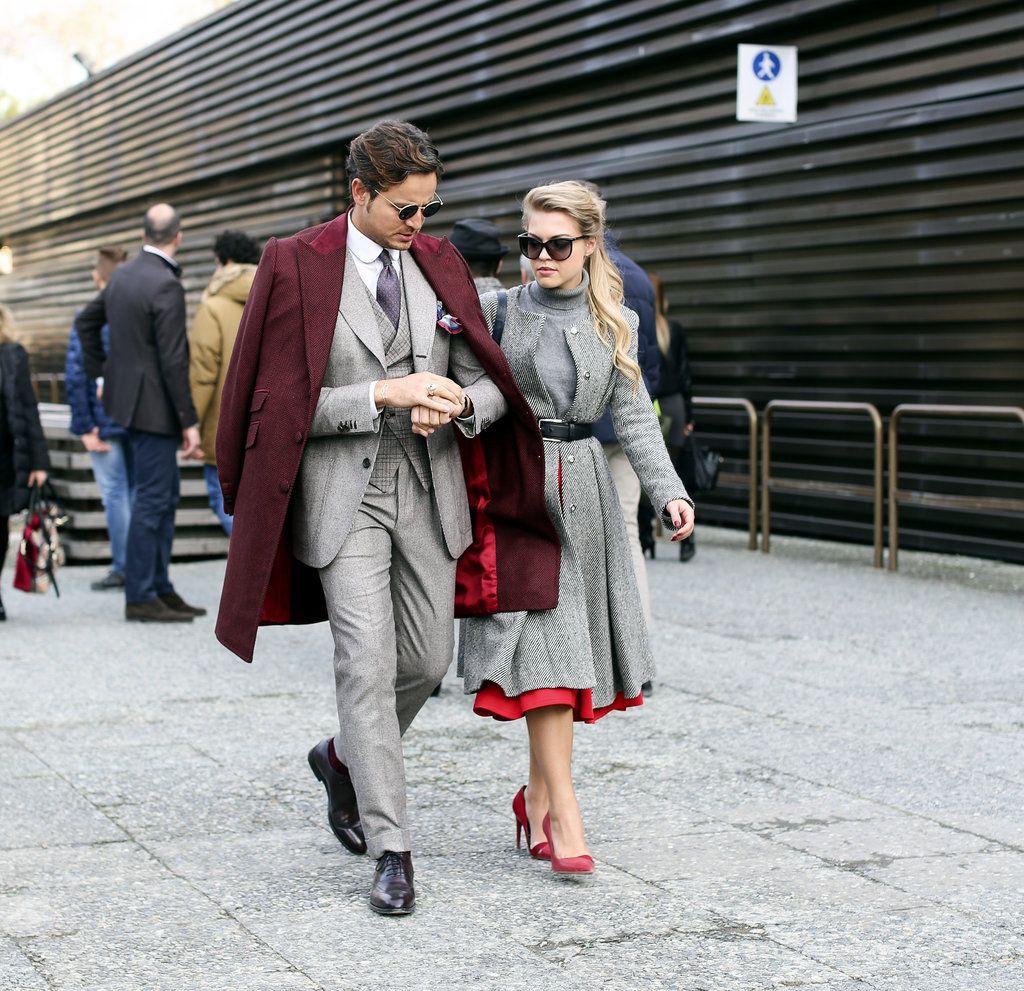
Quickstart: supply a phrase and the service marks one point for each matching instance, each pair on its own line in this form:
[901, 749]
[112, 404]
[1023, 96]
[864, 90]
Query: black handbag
[700, 467]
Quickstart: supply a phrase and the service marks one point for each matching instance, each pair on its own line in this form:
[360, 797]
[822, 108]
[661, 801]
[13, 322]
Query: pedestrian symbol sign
[766, 83]
[767, 65]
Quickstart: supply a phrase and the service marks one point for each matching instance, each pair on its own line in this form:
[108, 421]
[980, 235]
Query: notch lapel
[357, 312]
[422, 312]
[321, 272]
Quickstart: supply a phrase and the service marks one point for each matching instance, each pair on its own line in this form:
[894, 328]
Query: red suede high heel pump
[542, 851]
[584, 864]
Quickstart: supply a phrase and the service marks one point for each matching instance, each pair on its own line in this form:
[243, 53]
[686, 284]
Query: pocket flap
[250, 437]
[259, 397]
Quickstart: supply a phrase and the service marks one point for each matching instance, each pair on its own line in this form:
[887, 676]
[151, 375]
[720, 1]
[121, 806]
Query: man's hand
[433, 392]
[91, 441]
[425, 420]
[680, 513]
[190, 444]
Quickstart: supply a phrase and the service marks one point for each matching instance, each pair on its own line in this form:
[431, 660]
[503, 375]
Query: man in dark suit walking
[145, 388]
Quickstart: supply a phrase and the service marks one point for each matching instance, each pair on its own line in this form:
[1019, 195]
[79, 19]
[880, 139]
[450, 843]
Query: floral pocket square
[447, 322]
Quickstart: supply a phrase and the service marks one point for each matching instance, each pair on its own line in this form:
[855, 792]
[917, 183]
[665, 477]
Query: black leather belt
[561, 430]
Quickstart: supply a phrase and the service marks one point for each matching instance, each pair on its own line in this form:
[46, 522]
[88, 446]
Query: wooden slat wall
[871, 251]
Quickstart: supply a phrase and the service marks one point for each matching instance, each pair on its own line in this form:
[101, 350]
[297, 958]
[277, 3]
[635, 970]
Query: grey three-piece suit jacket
[345, 437]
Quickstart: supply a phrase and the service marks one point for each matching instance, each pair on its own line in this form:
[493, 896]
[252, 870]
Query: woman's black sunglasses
[558, 248]
[409, 211]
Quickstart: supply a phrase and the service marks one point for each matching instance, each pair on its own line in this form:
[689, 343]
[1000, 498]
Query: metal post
[876, 492]
[927, 410]
[746, 406]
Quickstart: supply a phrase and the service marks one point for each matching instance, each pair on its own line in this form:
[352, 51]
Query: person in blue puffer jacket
[101, 436]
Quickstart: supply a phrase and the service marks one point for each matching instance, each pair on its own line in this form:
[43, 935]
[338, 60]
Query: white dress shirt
[156, 251]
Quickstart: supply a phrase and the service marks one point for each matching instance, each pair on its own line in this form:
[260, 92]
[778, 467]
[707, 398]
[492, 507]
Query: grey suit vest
[397, 441]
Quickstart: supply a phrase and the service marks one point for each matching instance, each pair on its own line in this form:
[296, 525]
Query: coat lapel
[357, 311]
[321, 270]
[422, 313]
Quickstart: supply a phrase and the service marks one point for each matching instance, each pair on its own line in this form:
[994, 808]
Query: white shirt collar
[157, 251]
[365, 249]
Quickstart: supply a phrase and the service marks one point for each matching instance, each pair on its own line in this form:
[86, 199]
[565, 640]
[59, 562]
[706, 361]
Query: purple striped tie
[388, 294]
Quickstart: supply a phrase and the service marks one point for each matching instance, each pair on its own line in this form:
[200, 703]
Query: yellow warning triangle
[765, 99]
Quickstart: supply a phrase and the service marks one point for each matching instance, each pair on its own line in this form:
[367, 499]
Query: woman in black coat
[675, 397]
[24, 461]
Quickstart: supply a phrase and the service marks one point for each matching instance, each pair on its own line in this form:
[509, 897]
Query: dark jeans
[151, 531]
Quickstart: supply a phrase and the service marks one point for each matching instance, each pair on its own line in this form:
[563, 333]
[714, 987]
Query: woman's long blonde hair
[660, 319]
[584, 205]
[6, 325]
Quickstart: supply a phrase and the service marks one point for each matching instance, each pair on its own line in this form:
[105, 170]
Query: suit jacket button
[366, 462]
[284, 487]
[572, 459]
[572, 508]
[298, 436]
[586, 375]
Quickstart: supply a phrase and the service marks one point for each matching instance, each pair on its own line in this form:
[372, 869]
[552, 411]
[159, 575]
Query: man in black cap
[478, 242]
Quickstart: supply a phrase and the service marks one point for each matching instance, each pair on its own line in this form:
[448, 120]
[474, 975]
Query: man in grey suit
[380, 508]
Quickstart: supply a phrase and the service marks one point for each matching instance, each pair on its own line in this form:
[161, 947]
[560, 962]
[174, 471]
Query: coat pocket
[250, 437]
[259, 397]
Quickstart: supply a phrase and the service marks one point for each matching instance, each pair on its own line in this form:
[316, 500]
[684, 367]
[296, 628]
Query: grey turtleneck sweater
[562, 309]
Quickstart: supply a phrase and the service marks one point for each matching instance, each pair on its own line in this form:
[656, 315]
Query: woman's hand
[681, 514]
[37, 478]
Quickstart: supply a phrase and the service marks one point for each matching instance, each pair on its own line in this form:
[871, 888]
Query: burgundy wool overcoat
[267, 405]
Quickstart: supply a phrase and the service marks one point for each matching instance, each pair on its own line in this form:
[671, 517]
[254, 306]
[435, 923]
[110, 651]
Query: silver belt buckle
[550, 419]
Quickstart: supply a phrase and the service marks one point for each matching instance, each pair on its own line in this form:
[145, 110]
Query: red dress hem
[492, 701]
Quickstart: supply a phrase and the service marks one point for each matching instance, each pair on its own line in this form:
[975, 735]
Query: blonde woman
[24, 460]
[572, 348]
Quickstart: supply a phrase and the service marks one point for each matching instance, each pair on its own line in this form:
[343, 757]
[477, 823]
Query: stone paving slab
[824, 792]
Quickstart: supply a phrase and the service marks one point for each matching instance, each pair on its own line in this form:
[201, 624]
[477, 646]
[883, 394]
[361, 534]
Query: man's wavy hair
[388, 153]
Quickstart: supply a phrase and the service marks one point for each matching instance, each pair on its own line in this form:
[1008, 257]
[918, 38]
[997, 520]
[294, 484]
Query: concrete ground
[825, 791]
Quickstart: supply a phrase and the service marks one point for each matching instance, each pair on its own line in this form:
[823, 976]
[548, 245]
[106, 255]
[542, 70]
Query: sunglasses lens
[408, 212]
[530, 246]
[431, 208]
[560, 248]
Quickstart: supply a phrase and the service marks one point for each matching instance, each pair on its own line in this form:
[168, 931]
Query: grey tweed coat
[596, 637]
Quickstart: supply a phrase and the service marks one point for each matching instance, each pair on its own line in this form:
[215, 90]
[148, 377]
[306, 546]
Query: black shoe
[687, 548]
[342, 810]
[649, 548]
[392, 892]
[647, 689]
[154, 611]
[3, 612]
[174, 601]
[111, 580]
[436, 692]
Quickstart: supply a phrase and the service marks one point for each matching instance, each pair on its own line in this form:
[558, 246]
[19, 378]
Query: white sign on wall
[766, 83]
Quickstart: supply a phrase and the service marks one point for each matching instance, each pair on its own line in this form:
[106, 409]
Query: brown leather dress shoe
[342, 810]
[174, 601]
[392, 892]
[154, 611]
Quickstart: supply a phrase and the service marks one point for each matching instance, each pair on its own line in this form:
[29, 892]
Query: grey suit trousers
[389, 598]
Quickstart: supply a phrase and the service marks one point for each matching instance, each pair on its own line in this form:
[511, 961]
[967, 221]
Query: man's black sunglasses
[558, 248]
[409, 211]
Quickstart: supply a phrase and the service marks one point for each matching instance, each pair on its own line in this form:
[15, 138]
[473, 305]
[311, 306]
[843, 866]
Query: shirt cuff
[374, 412]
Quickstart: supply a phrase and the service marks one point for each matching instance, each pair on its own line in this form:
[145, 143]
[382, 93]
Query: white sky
[38, 37]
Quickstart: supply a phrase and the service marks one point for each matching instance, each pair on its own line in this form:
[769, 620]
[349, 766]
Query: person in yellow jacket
[211, 342]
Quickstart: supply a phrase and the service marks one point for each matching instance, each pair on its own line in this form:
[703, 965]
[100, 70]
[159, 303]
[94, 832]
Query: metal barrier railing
[53, 380]
[768, 484]
[896, 495]
[745, 406]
